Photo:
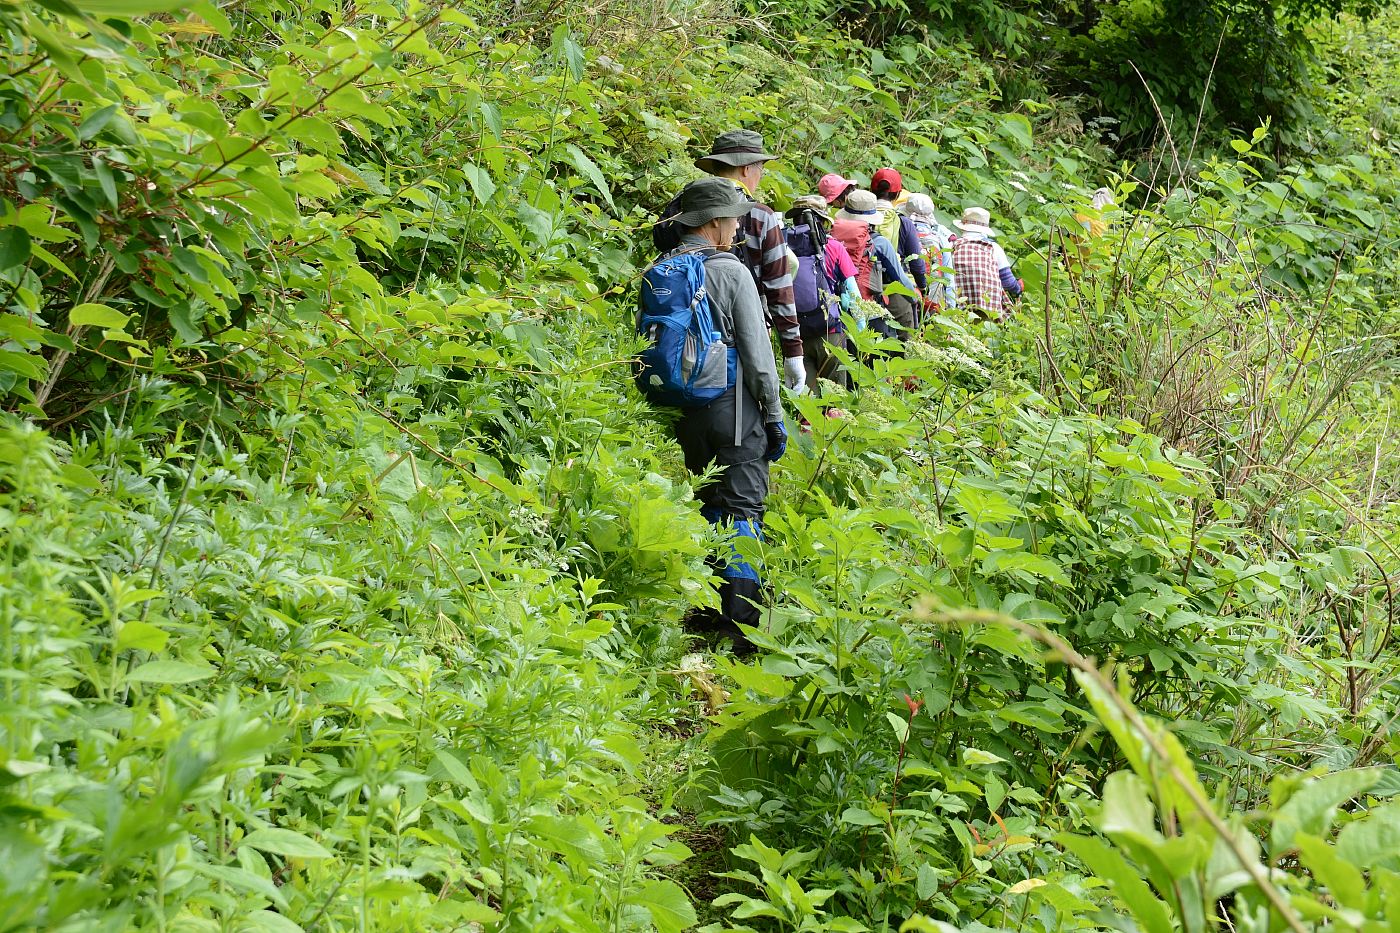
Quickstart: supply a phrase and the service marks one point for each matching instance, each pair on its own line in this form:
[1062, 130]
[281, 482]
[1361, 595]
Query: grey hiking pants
[902, 309]
[735, 440]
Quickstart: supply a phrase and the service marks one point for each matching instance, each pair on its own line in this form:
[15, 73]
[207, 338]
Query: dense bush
[343, 568]
[1155, 76]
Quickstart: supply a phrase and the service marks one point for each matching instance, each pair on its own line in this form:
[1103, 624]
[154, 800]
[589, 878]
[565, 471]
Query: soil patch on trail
[697, 874]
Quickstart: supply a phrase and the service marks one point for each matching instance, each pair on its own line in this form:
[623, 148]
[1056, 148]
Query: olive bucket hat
[734, 148]
[704, 199]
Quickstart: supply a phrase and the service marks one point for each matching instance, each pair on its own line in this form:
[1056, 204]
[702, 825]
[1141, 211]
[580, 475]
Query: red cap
[893, 184]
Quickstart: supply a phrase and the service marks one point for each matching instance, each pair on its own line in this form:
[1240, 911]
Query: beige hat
[814, 203]
[976, 220]
[861, 206]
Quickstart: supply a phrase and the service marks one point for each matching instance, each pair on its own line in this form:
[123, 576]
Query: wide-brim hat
[704, 199]
[814, 203]
[860, 206]
[733, 149]
[976, 220]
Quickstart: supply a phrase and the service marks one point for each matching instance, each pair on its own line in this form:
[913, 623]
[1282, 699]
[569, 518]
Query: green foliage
[342, 584]
[310, 739]
[1170, 75]
[1087, 525]
[1167, 831]
[1156, 77]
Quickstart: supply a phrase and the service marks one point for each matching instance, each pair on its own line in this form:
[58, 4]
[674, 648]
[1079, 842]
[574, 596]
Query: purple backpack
[814, 294]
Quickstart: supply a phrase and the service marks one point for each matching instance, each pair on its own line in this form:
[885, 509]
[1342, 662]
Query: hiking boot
[741, 646]
[704, 621]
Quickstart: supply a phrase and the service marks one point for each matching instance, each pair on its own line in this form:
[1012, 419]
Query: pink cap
[833, 186]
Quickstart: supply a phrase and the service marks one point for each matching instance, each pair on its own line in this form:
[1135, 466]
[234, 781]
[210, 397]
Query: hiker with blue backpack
[709, 354]
[740, 157]
[824, 285]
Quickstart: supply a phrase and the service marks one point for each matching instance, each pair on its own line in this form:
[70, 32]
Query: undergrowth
[343, 569]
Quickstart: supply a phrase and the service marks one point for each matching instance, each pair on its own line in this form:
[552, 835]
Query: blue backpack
[688, 362]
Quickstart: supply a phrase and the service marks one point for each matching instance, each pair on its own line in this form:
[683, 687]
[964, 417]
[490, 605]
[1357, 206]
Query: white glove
[795, 373]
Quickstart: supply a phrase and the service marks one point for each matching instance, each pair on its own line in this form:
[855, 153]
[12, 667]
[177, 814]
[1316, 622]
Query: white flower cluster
[529, 522]
[963, 339]
[959, 349]
[954, 358]
[864, 310]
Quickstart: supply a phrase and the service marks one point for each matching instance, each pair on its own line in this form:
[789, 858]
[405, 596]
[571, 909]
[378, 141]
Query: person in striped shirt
[739, 156]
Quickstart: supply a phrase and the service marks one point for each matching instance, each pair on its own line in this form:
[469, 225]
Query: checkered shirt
[979, 280]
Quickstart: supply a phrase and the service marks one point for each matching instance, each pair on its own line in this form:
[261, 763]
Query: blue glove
[850, 295]
[777, 440]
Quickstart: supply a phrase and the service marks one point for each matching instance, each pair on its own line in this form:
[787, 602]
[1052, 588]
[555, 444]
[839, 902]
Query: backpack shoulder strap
[722, 315]
[706, 251]
[712, 253]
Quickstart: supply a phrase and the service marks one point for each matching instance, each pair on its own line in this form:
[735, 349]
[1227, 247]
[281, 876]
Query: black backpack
[666, 233]
[818, 309]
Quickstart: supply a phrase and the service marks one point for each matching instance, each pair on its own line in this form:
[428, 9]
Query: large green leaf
[670, 908]
[590, 170]
[285, 842]
[1148, 909]
[1342, 879]
[1372, 841]
[96, 315]
[166, 671]
[1312, 807]
[243, 880]
[569, 836]
[482, 185]
[14, 247]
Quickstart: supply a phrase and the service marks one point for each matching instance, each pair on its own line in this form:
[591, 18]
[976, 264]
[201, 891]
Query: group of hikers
[732, 268]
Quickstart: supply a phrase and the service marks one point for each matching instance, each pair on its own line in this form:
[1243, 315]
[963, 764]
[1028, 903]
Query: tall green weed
[342, 590]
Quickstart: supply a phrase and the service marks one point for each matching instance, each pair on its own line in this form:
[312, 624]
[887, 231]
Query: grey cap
[704, 199]
[734, 148]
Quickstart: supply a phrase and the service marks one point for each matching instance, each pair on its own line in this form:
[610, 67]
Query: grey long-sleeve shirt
[734, 298]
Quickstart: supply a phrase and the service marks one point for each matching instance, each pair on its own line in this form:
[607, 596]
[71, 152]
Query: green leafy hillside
[344, 567]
